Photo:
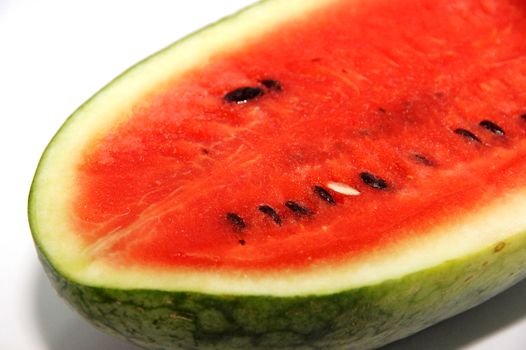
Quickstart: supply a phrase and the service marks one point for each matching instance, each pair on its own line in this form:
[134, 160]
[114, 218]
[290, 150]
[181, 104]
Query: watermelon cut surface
[303, 174]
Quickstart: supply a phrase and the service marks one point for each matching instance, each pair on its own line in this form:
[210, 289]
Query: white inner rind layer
[53, 190]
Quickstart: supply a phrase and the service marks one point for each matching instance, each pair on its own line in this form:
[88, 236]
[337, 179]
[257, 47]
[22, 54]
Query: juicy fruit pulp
[229, 166]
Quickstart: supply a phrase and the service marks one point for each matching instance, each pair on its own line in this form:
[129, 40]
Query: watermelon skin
[361, 318]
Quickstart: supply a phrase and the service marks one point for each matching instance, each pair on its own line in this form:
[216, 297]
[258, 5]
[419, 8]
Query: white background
[53, 56]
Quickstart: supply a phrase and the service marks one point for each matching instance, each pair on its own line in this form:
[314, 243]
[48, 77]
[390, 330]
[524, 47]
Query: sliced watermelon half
[310, 174]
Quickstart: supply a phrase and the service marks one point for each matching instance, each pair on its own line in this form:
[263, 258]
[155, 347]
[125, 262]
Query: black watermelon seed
[268, 210]
[523, 116]
[422, 160]
[324, 194]
[298, 209]
[243, 94]
[272, 84]
[467, 134]
[237, 221]
[491, 126]
[242, 242]
[373, 181]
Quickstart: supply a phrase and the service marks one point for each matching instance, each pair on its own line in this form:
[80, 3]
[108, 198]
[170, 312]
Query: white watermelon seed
[343, 189]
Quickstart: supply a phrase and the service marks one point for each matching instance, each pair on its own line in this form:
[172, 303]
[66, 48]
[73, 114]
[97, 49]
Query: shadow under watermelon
[473, 326]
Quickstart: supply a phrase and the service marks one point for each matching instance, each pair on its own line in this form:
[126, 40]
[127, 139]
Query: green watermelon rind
[363, 318]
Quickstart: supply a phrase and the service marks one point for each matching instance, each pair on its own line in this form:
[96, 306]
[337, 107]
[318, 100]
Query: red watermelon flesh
[422, 115]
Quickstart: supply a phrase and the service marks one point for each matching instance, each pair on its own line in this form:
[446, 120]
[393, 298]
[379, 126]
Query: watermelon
[306, 174]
